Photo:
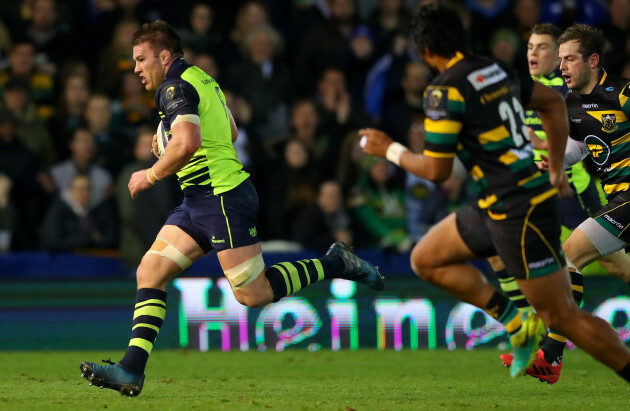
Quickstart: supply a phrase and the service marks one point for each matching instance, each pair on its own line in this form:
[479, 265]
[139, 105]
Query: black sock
[625, 372]
[148, 317]
[289, 278]
[553, 348]
[503, 310]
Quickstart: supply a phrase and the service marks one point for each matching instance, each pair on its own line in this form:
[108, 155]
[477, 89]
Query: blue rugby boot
[113, 376]
[356, 269]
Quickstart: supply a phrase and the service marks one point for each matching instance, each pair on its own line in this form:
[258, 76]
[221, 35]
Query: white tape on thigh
[602, 240]
[165, 249]
[245, 273]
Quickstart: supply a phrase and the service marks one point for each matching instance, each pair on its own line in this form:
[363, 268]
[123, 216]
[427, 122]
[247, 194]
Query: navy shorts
[528, 242]
[226, 220]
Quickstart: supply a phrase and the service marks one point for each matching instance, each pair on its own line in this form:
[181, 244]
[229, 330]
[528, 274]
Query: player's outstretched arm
[553, 113]
[377, 143]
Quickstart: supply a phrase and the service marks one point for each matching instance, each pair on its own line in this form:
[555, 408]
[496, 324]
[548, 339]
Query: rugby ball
[162, 139]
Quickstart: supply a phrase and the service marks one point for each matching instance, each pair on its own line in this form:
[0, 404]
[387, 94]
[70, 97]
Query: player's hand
[564, 189]
[138, 182]
[543, 164]
[537, 143]
[559, 180]
[154, 146]
[374, 141]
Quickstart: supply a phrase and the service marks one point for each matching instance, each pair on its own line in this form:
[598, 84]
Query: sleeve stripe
[442, 126]
[438, 155]
[495, 135]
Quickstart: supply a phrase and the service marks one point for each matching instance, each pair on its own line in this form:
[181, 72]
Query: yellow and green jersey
[600, 120]
[578, 176]
[474, 110]
[189, 94]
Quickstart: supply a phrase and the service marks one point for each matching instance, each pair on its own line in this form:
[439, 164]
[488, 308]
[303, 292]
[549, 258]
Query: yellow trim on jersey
[622, 97]
[603, 77]
[435, 154]
[191, 118]
[542, 197]
[488, 201]
[508, 158]
[597, 115]
[497, 216]
[442, 126]
[620, 140]
[527, 179]
[476, 173]
[611, 188]
[494, 135]
[620, 164]
[455, 95]
[458, 57]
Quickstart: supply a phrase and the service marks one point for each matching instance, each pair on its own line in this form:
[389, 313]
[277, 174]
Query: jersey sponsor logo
[609, 122]
[173, 98]
[599, 150]
[575, 120]
[486, 76]
[590, 105]
[610, 89]
[216, 241]
[613, 221]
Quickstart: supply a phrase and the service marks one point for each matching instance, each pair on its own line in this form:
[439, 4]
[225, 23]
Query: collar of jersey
[176, 68]
[458, 57]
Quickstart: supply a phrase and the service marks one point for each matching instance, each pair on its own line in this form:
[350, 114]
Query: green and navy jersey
[600, 120]
[189, 92]
[578, 176]
[473, 110]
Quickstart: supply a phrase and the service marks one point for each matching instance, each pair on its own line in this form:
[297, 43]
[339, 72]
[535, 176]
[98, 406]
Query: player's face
[575, 71]
[542, 54]
[148, 66]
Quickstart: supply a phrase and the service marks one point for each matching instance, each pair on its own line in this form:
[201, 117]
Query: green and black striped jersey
[600, 121]
[578, 176]
[474, 111]
[189, 94]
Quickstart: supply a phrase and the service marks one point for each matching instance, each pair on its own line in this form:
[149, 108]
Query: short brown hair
[549, 29]
[590, 39]
[161, 36]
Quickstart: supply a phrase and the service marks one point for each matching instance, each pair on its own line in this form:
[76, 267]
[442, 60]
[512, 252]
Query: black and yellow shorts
[528, 242]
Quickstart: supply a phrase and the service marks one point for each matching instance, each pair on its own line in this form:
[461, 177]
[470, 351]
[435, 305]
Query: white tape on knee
[245, 273]
[165, 249]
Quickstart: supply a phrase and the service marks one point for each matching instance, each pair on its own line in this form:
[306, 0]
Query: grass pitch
[302, 380]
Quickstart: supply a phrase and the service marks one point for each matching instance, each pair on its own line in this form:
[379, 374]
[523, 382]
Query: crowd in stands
[300, 77]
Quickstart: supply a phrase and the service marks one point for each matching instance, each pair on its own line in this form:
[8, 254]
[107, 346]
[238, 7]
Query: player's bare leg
[617, 264]
[172, 251]
[551, 298]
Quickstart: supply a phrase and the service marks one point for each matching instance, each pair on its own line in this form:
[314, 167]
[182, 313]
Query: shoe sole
[129, 390]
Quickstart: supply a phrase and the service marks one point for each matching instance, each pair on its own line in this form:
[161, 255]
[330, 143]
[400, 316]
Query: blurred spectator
[112, 147]
[380, 207]
[337, 113]
[116, 60]
[263, 80]
[399, 115]
[388, 19]
[21, 166]
[83, 149]
[252, 14]
[135, 106]
[207, 63]
[564, 13]
[51, 39]
[5, 43]
[29, 127]
[74, 223]
[342, 40]
[305, 128]
[41, 84]
[142, 217]
[617, 34]
[485, 17]
[504, 46]
[325, 221]
[292, 184]
[351, 160]
[200, 33]
[8, 215]
[69, 115]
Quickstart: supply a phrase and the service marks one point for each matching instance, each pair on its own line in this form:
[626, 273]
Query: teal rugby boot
[113, 376]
